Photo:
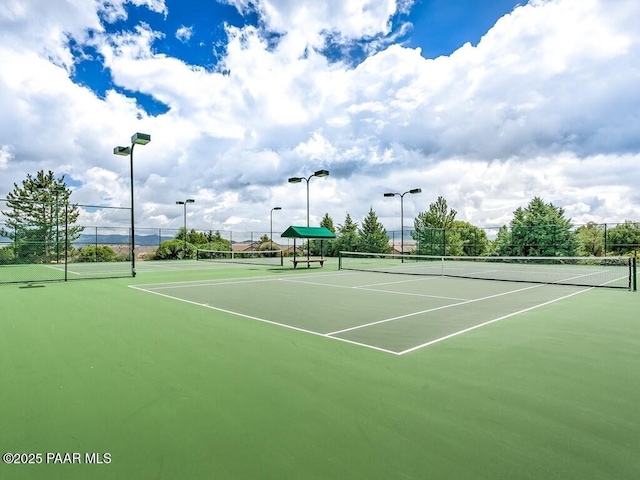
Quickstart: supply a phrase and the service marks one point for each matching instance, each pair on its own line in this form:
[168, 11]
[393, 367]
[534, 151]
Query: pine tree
[328, 246]
[373, 235]
[540, 230]
[36, 217]
[433, 230]
[347, 238]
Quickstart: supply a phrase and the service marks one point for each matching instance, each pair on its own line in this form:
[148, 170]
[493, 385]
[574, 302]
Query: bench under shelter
[310, 233]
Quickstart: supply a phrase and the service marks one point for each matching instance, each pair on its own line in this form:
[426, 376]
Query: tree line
[37, 209]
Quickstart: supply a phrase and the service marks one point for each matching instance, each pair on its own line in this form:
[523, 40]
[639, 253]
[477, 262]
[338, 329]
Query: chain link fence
[46, 246]
[40, 243]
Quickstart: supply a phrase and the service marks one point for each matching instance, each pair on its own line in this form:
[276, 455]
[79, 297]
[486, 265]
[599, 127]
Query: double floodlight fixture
[413, 190]
[188, 200]
[319, 173]
[401, 195]
[136, 139]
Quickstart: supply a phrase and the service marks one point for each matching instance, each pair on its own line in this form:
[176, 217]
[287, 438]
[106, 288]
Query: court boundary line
[332, 335]
[442, 307]
[489, 322]
[264, 320]
[357, 287]
[214, 281]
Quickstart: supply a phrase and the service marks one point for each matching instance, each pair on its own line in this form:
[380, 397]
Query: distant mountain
[143, 240]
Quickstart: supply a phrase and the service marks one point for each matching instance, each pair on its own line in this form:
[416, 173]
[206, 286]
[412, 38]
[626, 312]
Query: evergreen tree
[373, 236]
[624, 238]
[501, 246]
[36, 217]
[347, 238]
[540, 230]
[472, 240]
[328, 246]
[433, 230]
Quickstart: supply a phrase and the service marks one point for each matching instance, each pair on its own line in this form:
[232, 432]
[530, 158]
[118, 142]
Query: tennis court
[79, 271]
[228, 371]
[386, 312]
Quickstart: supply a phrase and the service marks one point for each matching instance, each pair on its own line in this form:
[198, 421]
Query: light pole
[136, 139]
[184, 244]
[401, 195]
[58, 189]
[271, 225]
[319, 173]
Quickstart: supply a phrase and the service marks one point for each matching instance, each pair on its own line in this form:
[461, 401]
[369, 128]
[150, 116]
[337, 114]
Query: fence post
[66, 241]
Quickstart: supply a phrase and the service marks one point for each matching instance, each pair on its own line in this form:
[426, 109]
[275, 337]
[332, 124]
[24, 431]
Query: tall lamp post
[184, 244]
[271, 225]
[401, 195]
[136, 139]
[319, 173]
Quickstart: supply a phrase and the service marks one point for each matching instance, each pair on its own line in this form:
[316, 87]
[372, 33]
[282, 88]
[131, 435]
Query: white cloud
[545, 105]
[184, 34]
[5, 156]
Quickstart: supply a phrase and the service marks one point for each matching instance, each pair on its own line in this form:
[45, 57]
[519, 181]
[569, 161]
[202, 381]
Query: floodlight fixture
[140, 138]
[136, 139]
[184, 243]
[317, 173]
[122, 151]
[271, 225]
[401, 195]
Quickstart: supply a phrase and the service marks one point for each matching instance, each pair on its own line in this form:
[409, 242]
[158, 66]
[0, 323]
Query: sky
[487, 104]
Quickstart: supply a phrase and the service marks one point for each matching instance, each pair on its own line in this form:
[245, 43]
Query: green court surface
[194, 370]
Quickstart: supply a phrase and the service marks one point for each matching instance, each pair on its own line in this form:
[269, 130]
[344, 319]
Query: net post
[281, 259]
[339, 260]
[634, 278]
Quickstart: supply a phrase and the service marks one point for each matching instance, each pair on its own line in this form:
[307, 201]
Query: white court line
[417, 347]
[435, 309]
[224, 281]
[426, 278]
[423, 295]
[412, 294]
[331, 335]
[251, 317]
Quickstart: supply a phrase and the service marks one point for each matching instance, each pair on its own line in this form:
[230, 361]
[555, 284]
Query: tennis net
[264, 257]
[612, 272]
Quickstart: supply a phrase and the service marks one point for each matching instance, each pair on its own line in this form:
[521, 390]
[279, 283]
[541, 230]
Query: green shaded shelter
[307, 232]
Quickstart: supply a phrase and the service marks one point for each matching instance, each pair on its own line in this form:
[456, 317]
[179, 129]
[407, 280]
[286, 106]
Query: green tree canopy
[501, 246]
[471, 240]
[328, 246]
[590, 239]
[541, 230]
[373, 235]
[347, 238]
[36, 215]
[433, 230]
[193, 237]
[624, 238]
